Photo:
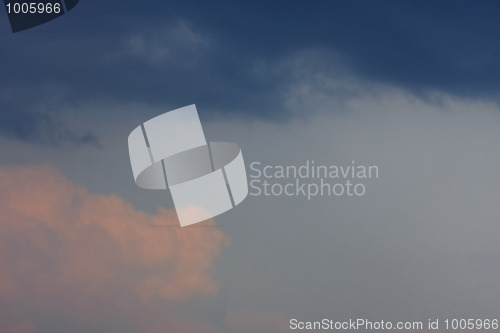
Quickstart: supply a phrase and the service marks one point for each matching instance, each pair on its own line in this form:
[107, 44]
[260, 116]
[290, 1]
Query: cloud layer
[173, 55]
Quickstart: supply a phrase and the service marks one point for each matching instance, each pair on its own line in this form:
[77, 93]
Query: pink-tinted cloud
[65, 250]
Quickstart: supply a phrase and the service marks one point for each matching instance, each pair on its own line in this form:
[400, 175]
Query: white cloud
[167, 44]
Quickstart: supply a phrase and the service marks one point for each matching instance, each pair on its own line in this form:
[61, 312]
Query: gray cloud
[420, 244]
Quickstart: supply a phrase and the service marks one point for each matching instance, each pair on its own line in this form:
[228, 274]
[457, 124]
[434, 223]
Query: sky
[411, 87]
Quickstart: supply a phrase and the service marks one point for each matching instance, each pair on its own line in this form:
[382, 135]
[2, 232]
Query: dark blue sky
[226, 56]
